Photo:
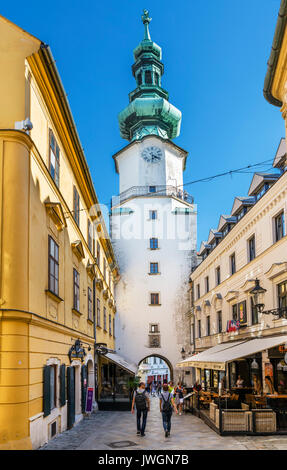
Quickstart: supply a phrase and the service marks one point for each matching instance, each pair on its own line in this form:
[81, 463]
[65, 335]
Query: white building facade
[153, 220]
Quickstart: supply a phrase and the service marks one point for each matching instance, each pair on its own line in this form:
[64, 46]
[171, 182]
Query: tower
[153, 220]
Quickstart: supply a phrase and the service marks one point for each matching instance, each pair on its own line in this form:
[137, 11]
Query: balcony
[152, 191]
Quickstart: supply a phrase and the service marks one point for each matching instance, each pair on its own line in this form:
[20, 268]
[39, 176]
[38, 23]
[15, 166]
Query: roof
[239, 202]
[224, 220]
[213, 234]
[274, 55]
[204, 246]
[258, 180]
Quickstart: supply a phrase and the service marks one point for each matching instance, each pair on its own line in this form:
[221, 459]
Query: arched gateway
[155, 368]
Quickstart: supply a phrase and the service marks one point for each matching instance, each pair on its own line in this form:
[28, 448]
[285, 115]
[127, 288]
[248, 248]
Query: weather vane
[146, 20]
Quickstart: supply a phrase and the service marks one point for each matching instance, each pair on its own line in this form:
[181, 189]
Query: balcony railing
[152, 191]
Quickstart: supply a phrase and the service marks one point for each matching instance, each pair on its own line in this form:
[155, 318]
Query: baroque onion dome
[149, 111]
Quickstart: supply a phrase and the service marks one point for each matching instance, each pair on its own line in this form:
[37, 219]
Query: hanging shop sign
[77, 351]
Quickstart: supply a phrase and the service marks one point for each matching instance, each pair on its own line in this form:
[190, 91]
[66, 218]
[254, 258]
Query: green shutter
[84, 375]
[46, 391]
[63, 385]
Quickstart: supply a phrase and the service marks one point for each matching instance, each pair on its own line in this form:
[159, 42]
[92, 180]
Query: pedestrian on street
[170, 387]
[142, 403]
[166, 404]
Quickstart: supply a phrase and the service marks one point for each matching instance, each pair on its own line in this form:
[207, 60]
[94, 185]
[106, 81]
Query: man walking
[142, 402]
[166, 403]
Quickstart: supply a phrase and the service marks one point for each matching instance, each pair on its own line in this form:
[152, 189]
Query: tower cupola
[149, 111]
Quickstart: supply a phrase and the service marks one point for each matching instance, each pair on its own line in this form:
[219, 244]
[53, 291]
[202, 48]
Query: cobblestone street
[107, 430]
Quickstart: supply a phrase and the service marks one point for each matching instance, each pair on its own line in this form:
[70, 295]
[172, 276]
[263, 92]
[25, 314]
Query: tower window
[139, 79]
[157, 79]
[153, 243]
[153, 215]
[148, 77]
[153, 268]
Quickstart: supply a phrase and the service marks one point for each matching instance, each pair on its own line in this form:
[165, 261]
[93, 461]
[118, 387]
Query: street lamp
[257, 295]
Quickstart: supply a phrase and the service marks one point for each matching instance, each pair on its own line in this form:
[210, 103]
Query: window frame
[98, 312]
[153, 296]
[153, 267]
[105, 319]
[55, 262]
[276, 230]
[153, 243]
[90, 304]
[76, 290]
[232, 264]
[56, 175]
[76, 205]
[251, 255]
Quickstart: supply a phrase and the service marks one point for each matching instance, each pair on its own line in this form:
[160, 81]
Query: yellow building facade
[57, 265]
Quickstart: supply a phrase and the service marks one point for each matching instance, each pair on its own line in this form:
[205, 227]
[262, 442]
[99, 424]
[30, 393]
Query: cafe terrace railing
[226, 419]
[152, 191]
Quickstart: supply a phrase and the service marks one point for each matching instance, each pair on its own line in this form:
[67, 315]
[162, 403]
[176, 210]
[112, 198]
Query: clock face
[152, 154]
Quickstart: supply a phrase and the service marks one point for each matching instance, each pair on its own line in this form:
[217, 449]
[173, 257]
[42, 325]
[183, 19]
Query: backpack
[166, 405]
[140, 400]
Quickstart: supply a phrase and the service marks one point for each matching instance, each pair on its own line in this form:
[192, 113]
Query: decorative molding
[276, 270]
[99, 284]
[248, 285]
[106, 294]
[78, 249]
[231, 295]
[91, 270]
[56, 213]
[53, 296]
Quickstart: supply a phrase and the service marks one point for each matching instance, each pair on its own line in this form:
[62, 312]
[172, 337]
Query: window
[206, 284]
[234, 312]
[139, 79]
[251, 248]
[90, 304]
[157, 79]
[242, 313]
[254, 313]
[53, 273]
[76, 290]
[54, 158]
[110, 325]
[282, 294]
[53, 386]
[217, 276]
[154, 328]
[114, 328]
[153, 268]
[98, 312]
[90, 236]
[219, 322]
[152, 189]
[153, 243]
[153, 215]
[262, 191]
[98, 254]
[148, 77]
[198, 291]
[105, 319]
[208, 326]
[154, 299]
[76, 206]
[232, 264]
[279, 226]
[199, 328]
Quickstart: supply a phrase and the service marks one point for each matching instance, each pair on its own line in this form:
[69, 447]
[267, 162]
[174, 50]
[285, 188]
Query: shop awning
[228, 352]
[121, 362]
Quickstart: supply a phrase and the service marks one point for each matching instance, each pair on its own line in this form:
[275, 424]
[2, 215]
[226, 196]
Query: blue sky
[215, 55]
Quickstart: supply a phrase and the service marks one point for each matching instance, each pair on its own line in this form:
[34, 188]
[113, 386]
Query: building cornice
[274, 56]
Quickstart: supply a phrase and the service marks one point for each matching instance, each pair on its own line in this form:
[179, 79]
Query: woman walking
[179, 397]
[166, 404]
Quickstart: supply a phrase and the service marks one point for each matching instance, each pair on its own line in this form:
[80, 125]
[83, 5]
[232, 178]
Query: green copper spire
[146, 20]
[149, 111]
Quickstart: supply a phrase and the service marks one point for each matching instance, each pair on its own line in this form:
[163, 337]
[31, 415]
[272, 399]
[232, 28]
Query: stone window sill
[53, 296]
[74, 310]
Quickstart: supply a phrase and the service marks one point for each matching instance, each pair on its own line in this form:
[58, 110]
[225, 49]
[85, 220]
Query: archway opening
[155, 369]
